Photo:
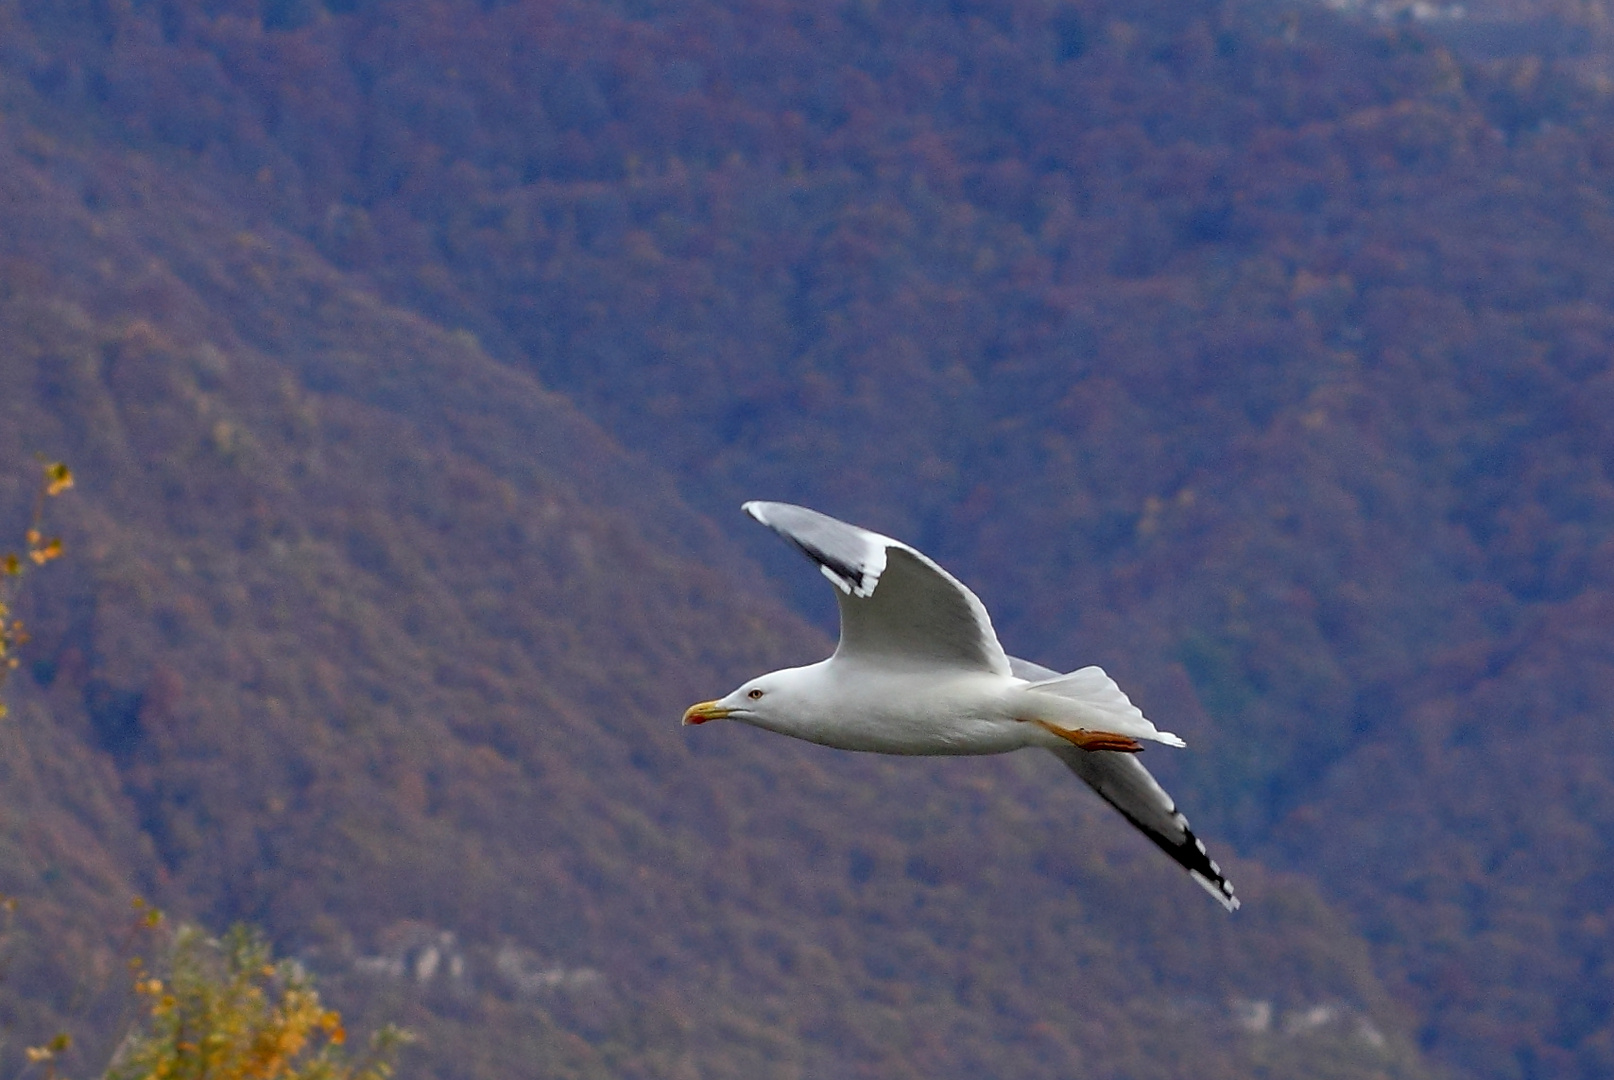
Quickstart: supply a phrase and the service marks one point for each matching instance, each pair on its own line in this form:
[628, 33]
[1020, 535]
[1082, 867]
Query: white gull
[919, 671]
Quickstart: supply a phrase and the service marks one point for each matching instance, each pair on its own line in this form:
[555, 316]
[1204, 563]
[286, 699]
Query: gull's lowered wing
[1123, 782]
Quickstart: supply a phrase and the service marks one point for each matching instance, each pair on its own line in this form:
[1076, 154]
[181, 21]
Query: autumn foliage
[1258, 353]
[37, 550]
[224, 1009]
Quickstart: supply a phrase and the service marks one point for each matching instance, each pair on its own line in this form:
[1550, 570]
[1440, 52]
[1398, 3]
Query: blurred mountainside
[368, 639]
[414, 356]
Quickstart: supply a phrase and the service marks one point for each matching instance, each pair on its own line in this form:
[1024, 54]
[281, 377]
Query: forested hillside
[424, 349]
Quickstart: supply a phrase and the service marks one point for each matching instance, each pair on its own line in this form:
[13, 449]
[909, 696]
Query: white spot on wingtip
[1221, 889]
[863, 586]
[835, 579]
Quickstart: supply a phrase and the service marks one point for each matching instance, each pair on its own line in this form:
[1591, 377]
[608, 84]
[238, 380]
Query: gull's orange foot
[1094, 740]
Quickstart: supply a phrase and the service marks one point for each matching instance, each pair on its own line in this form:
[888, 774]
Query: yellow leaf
[11, 564]
[46, 552]
[58, 478]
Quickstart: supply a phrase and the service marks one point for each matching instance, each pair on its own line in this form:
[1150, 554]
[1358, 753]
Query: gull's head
[763, 701]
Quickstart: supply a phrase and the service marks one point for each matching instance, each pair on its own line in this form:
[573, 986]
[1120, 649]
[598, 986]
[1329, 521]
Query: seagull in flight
[919, 671]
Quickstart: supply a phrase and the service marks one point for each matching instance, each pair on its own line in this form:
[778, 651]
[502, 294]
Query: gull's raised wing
[1123, 782]
[895, 603]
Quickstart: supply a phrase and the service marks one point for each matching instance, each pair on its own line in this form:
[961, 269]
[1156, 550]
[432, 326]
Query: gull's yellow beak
[706, 710]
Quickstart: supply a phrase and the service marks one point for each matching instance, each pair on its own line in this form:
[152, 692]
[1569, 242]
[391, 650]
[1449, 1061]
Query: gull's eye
[753, 695]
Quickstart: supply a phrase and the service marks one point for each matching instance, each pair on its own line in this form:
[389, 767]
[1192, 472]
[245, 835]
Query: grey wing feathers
[852, 558]
[1123, 782]
[895, 603]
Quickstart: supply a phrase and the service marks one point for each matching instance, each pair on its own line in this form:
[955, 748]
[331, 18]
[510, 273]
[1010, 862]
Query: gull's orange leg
[1094, 740]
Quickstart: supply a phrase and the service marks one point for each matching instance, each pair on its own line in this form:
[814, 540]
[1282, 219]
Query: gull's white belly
[914, 712]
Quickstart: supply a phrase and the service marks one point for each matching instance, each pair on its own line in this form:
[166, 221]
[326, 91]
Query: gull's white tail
[1101, 705]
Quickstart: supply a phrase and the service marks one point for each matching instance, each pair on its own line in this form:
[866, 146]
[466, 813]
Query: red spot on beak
[706, 710]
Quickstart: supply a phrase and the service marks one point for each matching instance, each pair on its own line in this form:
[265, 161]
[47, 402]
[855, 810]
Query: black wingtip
[1193, 857]
[850, 571]
[1190, 854]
